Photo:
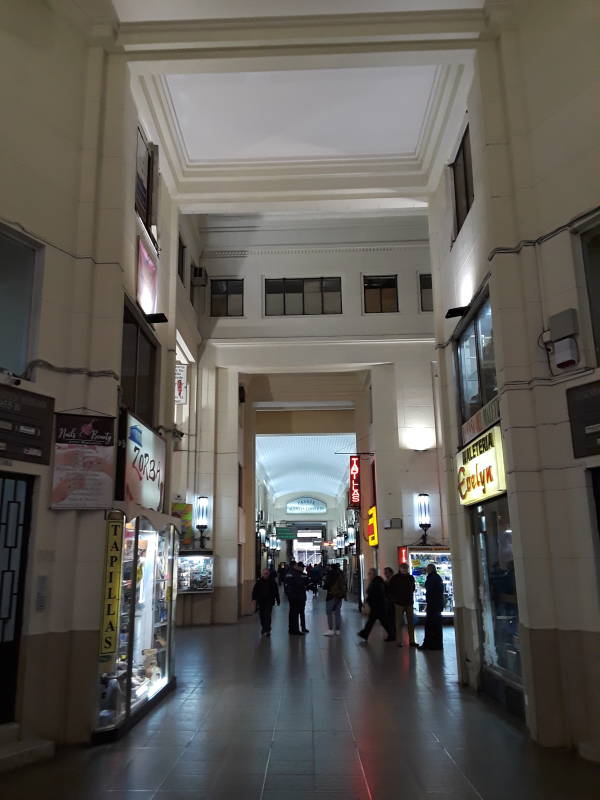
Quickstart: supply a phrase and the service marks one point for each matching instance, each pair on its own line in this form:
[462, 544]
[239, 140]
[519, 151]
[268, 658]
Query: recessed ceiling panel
[300, 114]
[305, 464]
[141, 10]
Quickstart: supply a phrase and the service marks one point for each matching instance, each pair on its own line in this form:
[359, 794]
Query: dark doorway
[15, 517]
[596, 487]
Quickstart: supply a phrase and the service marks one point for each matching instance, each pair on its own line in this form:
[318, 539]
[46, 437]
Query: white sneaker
[338, 633]
[329, 633]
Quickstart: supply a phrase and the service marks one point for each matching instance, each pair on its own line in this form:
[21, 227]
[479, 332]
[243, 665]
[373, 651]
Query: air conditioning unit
[199, 276]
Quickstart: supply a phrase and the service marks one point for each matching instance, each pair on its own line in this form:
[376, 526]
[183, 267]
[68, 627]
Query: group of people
[389, 601]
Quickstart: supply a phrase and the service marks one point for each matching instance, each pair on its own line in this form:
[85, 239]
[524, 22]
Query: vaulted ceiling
[305, 464]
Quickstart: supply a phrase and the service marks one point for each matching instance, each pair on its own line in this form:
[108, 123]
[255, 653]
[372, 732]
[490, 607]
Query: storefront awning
[156, 518]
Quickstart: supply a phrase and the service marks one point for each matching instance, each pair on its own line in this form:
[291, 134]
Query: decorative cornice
[309, 249]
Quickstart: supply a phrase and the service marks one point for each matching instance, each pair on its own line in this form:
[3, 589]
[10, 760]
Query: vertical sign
[403, 554]
[181, 387]
[146, 280]
[372, 528]
[354, 491]
[109, 627]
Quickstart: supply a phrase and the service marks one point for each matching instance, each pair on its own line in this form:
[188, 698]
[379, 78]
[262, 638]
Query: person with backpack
[335, 585]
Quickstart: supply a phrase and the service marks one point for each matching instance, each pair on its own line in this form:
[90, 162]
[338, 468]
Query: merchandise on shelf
[194, 573]
[418, 561]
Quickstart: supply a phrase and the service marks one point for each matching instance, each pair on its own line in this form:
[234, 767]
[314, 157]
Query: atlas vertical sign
[109, 626]
[354, 491]
[373, 530]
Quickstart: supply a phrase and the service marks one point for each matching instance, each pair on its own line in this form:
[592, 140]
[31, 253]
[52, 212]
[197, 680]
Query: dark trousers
[434, 637]
[376, 614]
[390, 613]
[265, 611]
[297, 616]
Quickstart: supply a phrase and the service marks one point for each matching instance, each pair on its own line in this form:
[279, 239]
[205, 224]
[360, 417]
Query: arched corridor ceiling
[305, 464]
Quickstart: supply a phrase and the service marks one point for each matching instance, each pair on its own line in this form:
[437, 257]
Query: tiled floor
[309, 718]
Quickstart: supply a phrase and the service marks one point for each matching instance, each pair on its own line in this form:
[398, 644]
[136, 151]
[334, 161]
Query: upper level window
[138, 368]
[476, 363]
[17, 279]
[227, 298]
[425, 292]
[381, 293]
[146, 183]
[181, 260]
[591, 258]
[298, 296]
[462, 174]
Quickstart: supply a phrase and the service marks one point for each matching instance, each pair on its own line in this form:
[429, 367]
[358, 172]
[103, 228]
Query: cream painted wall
[536, 165]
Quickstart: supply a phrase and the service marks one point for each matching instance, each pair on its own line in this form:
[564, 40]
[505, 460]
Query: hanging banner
[181, 387]
[373, 529]
[84, 457]
[480, 469]
[146, 280]
[354, 491]
[145, 465]
[110, 623]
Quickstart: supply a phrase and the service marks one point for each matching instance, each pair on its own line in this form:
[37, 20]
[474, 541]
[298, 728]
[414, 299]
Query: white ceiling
[141, 10]
[295, 114]
[305, 464]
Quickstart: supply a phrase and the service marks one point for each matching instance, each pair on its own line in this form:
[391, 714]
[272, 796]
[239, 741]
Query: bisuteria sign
[480, 468]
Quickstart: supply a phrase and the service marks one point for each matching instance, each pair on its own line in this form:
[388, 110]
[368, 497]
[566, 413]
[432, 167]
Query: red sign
[403, 554]
[354, 491]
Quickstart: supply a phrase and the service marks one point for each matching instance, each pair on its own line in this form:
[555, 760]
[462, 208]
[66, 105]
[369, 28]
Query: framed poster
[84, 462]
[181, 387]
[144, 465]
[147, 280]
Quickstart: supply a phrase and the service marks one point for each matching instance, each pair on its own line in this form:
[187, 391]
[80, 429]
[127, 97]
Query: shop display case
[195, 573]
[139, 600]
[417, 558]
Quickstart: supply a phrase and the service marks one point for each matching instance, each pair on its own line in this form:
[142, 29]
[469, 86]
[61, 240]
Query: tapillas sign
[480, 468]
[354, 491]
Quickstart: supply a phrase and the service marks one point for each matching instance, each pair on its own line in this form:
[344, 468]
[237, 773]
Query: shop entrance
[15, 519]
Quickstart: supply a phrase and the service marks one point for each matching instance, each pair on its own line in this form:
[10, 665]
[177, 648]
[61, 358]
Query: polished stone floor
[311, 718]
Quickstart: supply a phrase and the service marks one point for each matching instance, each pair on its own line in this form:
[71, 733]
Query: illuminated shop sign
[480, 468]
[110, 624]
[145, 467]
[146, 280]
[373, 530]
[354, 491]
[305, 505]
[481, 420]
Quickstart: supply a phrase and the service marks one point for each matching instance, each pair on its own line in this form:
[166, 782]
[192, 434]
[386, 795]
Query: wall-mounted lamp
[202, 520]
[262, 532]
[423, 515]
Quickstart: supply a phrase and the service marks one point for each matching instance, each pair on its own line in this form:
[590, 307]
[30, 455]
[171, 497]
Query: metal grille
[13, 514]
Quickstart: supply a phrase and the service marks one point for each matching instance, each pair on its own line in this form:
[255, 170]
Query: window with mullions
[146, 182]
[462, 174]
[138, 369]
[227, 298]
[381, 293]
[476, 363]
[302, 296]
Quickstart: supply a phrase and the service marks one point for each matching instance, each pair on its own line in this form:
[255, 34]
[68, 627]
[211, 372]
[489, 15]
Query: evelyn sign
[480, 468]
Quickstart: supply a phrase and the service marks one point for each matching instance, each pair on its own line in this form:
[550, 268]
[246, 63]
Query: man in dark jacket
[434, 595]
[401, 591]
[295, 588]
[376, 601]
[265, 594]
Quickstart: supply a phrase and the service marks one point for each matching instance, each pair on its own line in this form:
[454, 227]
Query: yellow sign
[372, 527]
[480, 468]
[109, 628]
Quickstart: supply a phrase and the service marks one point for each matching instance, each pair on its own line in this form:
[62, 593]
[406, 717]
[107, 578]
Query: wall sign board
[480, 468]
[354, 490]
[482, 419]
[373, 529]
[144, 466]
[110, 624]
[584, 415]
[26, 421]
[306, 505]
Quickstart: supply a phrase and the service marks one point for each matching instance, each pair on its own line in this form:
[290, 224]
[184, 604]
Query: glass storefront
[139, 598]
[498, 594]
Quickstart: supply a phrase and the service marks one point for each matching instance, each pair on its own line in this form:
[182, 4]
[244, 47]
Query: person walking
[390, 609]
[296, 586]
[335, 585]
[265, 594]
[376, 602]
[434, 597]
[402, 590]
[281, 570]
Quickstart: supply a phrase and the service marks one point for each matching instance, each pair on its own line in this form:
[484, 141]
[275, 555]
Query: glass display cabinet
[137, 619]
[195, 573]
